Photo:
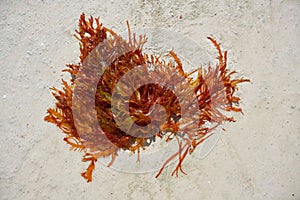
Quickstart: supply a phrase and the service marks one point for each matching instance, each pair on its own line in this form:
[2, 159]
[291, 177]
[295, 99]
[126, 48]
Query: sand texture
[257, 157]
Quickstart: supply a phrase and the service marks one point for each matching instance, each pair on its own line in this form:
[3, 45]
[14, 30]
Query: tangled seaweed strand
[214, 89]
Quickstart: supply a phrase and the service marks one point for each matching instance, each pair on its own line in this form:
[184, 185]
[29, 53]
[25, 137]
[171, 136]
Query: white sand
[257, 157]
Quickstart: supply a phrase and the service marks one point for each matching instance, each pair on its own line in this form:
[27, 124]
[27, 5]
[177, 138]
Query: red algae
[103, 50]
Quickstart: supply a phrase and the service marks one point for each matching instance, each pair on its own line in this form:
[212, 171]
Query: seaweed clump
[86, 112]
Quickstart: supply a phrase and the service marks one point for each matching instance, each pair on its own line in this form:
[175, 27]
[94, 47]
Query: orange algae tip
[98, 125]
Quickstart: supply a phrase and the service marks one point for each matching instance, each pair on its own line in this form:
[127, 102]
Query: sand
[257, 157]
